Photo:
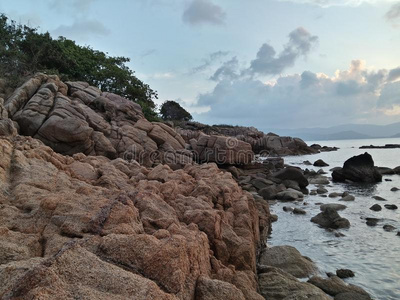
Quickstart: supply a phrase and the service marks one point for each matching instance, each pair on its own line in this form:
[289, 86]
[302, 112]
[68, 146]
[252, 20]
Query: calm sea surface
[372, 253]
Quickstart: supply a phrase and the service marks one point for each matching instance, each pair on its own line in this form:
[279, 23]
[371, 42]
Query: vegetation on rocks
[24, 51]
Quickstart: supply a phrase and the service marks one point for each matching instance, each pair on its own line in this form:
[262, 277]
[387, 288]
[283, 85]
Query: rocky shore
[96, 202]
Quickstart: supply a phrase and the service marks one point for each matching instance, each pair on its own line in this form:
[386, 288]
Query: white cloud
[304, 100]
[203, 12]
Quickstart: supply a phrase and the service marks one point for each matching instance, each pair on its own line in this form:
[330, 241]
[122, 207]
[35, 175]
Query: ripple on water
[371, 252]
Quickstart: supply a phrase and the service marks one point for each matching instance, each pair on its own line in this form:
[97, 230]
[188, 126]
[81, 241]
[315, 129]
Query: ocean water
[371, 252]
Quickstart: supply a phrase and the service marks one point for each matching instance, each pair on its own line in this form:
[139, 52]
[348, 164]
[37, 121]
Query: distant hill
[344, 132]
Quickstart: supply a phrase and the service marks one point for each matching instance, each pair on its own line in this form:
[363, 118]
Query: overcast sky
[262, 63]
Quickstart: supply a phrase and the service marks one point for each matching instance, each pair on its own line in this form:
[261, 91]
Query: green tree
[173, 111]
[24, 51]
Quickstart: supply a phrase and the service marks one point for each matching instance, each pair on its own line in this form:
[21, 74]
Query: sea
[372, 253]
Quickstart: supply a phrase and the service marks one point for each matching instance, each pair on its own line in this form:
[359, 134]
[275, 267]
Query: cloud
[394, 74]
[329, 3]
[269, 63]
[82, 30]
[209, 61]
[228, 70]
[148, 52]
[304, 100]
[203, 12]
[393, 14]
[77, 6]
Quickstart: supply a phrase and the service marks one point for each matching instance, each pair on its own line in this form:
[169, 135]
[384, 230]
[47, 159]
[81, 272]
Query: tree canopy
[173, 111]
[24, 51]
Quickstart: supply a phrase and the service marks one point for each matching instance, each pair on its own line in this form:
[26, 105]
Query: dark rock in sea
[291, 173]
[289, 259]
[335, 195]
[388, 227]
[287, 208]
[335, 206]
[270, 192]
[320, 163]
[379, 198]
[344, 273]
[335, 286]
[398, 233]
[387, 179]
[318, 179]
[321, 191]
[289, 195]
[385, 171]
[376, 207]
[291, 184]
[372, 221]
[299, 211]
[329, 218]
[307, 163]
[387, 146]
[321, 172]
[348, 198]
[313, 193]
[358, 169]
[391, 206]
[324, 148]
[394, 189]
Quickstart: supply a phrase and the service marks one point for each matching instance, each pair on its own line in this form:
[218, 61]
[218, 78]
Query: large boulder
[289, 260]
[358, 169]
[291, 173]
[329, 218]
[335, 286]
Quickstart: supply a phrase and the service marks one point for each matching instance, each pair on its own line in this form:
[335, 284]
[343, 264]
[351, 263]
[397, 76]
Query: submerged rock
[358, 169]
[320, 163]
[344, 273]
[329, 218]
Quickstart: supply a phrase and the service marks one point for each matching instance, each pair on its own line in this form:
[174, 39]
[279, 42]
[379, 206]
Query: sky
[262, 63]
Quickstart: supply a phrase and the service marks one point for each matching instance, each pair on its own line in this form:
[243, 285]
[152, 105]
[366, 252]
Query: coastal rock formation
[74, 117]
[358, 169]
[221, 149]
[94, 228]
[266, 144]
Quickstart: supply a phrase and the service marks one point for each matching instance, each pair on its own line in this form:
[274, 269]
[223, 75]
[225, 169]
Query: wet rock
[291, 184]
[329, 218]
[387, 179]
[398, 233]
[391, 206]
[274, 218]
[270, 192]
[372, 221]
[344, 273]
[321, 191]
[334, 286]
[307, 163]
[319, 180]
[335, 195]
[394, 189]
[276, 284]
[289, 260]
[320, 163]
[260, 183]
[388, 227]
[385, 171]
[348, 198]
[358, 169]
[379, 198]
[335, 206]
[321, 172]
[287, 209]
[289, 195]
[313, 192]
[376, 207]
[294, 174]
[299, 211]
